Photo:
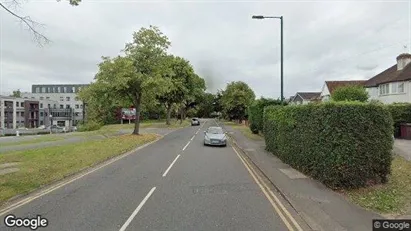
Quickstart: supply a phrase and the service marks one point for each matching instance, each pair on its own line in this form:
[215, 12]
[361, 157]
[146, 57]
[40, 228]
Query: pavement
[69, 138]
[403, 148]
[320, 207]
[176, 183]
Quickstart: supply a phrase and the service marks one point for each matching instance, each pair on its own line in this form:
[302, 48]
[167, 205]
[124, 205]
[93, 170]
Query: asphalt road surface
[174, 184]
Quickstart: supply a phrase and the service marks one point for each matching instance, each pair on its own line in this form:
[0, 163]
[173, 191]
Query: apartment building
[60, 99]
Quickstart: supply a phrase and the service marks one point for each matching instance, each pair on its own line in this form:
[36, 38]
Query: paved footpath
[176, 183]
[320, 207]
[69, 138]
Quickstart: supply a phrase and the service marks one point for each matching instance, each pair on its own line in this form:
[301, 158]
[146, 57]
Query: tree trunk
[168, 108]
[137, 120]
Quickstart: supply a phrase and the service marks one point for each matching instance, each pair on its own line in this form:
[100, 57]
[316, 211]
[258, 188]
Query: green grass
[43, 166]
[245, 130]
[112, 129]
[393, 198]
[44, 138]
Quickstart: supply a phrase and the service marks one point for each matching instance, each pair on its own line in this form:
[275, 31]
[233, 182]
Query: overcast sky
[323, 40]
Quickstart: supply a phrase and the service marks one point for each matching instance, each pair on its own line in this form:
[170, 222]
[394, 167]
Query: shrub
[342, 144]
[256, 111]
[350, 93]
[89, 126]
[401, 113]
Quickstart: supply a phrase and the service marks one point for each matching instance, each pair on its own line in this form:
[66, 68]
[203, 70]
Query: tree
[180, 79]
[350, 93]
[256, 111]
[196, 89]
[26, 20]
[138, 74]
[16, 94]
[205, 105]
[236, 98]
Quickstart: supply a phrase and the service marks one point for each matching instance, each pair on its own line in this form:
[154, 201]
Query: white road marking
[186, 145]
[137, 210]
[193, 137]
[171, 165]
[63, 183]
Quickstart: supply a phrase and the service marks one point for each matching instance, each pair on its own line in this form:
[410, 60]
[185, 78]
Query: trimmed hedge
[401, 113]
[256, 111]
[342, 144]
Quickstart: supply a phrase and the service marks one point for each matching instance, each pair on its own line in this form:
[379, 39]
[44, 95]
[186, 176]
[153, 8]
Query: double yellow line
[285, 216]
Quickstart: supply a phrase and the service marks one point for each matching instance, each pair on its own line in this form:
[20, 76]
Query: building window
[47, 97]
[41, 122]
[37, 90]
[67, 98]
[61, 98]
[384, 89]
[61, 106]
[58, 90]
[32, 97]
[41, 113]
[81, 106]
[17, 104]
[73, 89]
[22, 104]
[76, 98]
[77, 106]
[26, 97]
[22, 114]
[52, 90]
[48, 105]
[54, 106]
[68, 106]
[43, 90]
[41, 98]
[65, 89]
[401, 88]
[41, 105]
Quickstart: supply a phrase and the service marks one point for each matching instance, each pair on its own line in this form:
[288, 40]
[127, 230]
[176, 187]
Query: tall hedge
[401, 113]
[342, 144]
[256, 111]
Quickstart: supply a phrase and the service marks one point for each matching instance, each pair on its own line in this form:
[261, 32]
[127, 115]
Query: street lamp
[282, 68]
[51, 123]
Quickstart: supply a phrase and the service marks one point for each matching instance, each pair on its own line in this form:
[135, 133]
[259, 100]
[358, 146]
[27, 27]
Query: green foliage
[256, 111]
[342, 144]
[401, 113]
[89, 126]
[205, 106]
[235, 100]
[350, 93]
[16, 94]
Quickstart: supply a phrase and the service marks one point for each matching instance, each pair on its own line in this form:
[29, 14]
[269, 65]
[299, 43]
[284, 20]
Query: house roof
[309, 95]
[390, 75]
[332, 85]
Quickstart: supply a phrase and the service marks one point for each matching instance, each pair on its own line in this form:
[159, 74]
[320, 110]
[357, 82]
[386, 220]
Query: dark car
[215, 136]
[195, 122]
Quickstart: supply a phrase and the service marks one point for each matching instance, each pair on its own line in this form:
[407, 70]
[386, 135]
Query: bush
[401, 113]
[89, 126]
[342, 144]
[256, 111]
[350, 93]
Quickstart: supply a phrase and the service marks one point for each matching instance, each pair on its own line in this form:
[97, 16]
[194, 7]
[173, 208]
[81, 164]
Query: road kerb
[67, 180]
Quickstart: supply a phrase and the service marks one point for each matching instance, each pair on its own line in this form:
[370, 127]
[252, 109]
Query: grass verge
[391, 199]
[40, 139]
[43, 166]
[245, 130]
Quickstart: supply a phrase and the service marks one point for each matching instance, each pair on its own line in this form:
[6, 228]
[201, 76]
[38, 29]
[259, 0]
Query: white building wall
[57, 97]
[325, 93]
[391, 98]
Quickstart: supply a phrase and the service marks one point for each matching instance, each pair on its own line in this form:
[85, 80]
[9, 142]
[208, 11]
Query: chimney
[403, 60]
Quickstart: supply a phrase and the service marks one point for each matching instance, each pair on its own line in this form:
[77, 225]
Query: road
[174, 184]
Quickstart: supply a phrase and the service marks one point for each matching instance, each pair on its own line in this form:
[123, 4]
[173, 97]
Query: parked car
[195, 122]
[215, 136]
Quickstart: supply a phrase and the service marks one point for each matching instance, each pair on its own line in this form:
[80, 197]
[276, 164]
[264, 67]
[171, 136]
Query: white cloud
[322, 40]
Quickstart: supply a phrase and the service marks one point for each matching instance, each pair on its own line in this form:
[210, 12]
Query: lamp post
[51, 123]
[282, 50]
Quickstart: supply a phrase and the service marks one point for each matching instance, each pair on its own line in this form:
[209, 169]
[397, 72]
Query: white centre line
[186, 145]
[137, 210]
[171, 165]
[193, 137]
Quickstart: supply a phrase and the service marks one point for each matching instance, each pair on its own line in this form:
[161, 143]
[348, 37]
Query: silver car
[215, 136]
